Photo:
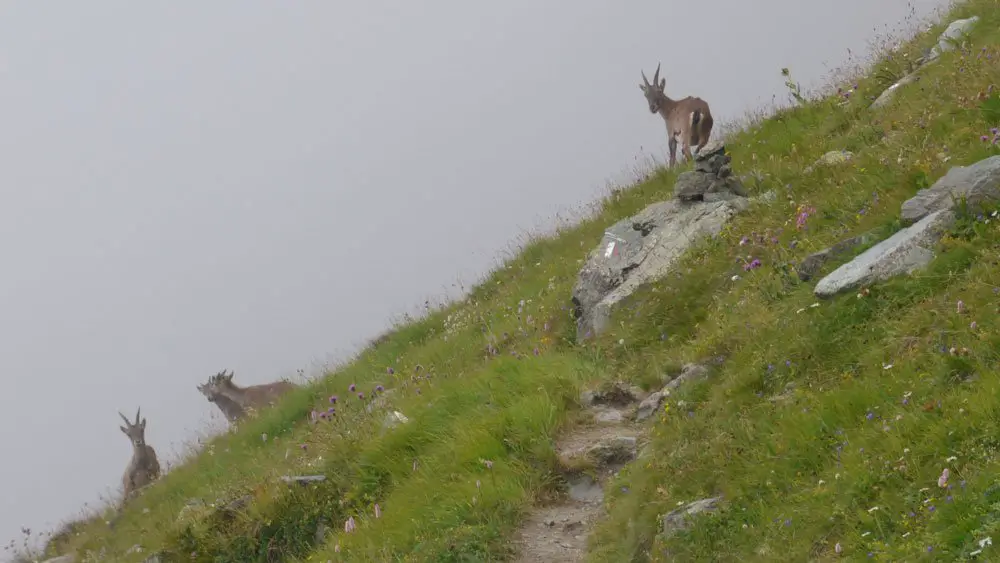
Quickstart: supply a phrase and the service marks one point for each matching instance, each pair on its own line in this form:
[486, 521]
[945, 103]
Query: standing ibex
[144, 468]
[688, 118]
[230, 408]
[221, 387]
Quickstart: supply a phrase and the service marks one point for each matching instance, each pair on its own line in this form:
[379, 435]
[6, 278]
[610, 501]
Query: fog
[261, 186]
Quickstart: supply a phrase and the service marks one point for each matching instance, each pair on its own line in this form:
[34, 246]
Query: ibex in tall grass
[144, 468]
[688, 118]
[221, 387]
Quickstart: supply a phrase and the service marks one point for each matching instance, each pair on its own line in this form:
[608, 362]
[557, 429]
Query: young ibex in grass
[688, 118]
[230, 408]
[254, 397]
[144, 468]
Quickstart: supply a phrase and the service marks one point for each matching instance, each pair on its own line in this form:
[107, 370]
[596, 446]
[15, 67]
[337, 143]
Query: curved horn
[125, 419]
[656, 75]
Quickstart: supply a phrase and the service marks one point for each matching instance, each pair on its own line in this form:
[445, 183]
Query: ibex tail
[695, 121]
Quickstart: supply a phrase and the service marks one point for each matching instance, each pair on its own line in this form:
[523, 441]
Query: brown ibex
[688, 118]
[230, 408]
[144, 468]
[221, 387]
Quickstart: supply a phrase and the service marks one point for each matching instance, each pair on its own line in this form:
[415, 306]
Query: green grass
[814, 417]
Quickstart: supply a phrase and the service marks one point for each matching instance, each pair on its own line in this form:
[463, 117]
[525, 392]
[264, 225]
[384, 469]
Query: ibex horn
[137, 415]
[644, 79]
[125, 419]
[656, 75]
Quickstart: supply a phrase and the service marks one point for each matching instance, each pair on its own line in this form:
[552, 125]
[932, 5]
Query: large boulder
[643, 247]
[954, 33]
[904, 252]
[978, 183]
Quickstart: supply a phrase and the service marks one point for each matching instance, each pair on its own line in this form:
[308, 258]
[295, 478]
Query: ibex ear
[642, 87]
[663, 83]
[143, 424]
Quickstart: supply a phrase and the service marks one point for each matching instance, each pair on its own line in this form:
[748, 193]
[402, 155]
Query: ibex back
[143, 468]
[688, 118]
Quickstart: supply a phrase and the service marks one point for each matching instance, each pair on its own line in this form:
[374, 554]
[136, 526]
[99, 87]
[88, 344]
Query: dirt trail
[557, 532]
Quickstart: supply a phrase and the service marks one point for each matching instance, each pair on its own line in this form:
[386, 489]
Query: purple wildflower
[379, 389]
[352, 387]
[333, 399]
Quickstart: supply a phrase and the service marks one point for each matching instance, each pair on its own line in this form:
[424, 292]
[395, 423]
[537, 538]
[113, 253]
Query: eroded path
[589, 455]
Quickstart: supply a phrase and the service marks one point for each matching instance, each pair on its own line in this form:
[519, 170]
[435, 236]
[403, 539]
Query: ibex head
[216, 384]
[653, 92]
[136, 431]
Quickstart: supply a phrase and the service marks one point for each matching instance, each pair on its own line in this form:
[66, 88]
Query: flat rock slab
[557, 533]
[978, 183]
[640, 249]
[812, 263]
[904, 252]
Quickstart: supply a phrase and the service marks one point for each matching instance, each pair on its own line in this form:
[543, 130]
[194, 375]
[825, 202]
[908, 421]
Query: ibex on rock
[688, 118]
[144, 468]
[221, 390]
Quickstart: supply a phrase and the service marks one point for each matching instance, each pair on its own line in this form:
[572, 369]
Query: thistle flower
[333, 399]
[379, 389]
[350, 526]
[352, 387]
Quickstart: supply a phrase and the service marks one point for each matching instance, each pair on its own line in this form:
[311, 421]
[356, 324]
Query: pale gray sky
[255, 185]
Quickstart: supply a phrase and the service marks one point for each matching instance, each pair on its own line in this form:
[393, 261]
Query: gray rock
[680, 519]
[616, 393]
[613, 449]
[584, 488]
[889, 93]
[904, 252]
[812, 263]
[650, 405]
[692, 185]
[977, 184]
[608, 416]
[640, 249]
[690, 372]
[303, 479]
[712, 148]
[831, 158]
[394, 418]
[955, 31]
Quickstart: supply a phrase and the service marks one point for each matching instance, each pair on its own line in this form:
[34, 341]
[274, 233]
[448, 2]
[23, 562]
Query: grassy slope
[800, 467]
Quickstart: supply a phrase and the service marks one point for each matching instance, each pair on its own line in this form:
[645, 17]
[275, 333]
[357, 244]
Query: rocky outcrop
[976, 184]
[642, 248]
[946, 42]
[812, 263]
[931, 212]
[908, 250]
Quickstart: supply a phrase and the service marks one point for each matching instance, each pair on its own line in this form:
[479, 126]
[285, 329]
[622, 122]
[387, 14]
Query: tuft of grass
[822, 424]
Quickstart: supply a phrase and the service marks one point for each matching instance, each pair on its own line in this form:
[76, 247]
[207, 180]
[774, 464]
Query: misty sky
[259, 186]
